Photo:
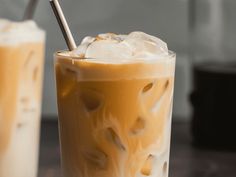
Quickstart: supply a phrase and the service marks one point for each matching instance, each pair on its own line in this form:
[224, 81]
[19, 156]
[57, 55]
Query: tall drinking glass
[115, 118]
[21, 73]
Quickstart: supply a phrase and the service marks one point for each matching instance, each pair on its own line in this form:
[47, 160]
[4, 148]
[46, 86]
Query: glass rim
[171, 55]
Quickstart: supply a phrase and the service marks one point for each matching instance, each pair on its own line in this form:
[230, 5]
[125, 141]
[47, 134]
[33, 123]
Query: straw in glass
[30, 10]
[63, 24]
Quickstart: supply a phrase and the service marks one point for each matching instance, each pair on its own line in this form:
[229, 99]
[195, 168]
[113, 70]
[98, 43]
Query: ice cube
[108, 49]
[88, 40]
[136, 45]
[149, 38]
[111, 36]
[106, 36]
[145, 46]
[81, 50]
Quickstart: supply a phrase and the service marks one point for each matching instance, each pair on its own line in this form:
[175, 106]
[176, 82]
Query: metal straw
[30, 9]
[63, 24]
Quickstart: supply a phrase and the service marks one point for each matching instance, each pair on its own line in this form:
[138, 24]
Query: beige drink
[115, 115]
[21, 71]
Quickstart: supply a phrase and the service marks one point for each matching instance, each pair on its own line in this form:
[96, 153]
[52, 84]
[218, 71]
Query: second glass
[21, 75]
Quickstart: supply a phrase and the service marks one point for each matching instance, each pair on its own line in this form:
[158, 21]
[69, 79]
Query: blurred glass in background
[212, 26]
[213, 57]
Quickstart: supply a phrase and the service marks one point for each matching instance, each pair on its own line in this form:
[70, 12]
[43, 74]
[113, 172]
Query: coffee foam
[134, 46]
[14, 33]
[94, 69]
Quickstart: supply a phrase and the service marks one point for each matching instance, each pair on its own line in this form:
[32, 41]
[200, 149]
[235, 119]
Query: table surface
[185, 159]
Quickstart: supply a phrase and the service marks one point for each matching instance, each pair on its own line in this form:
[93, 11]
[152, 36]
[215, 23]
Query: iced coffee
[115, 103]
[21, 71]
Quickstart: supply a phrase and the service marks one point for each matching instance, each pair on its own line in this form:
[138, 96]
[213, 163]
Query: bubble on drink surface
[96, 157]
[91, 99]
[147, 166]
[113, 137]
[138, 126]
[136, 45]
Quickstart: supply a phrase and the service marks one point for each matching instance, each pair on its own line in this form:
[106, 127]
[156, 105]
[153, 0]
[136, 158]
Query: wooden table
[185, 160]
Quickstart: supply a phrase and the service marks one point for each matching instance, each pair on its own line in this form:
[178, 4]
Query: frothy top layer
[93, 69]
[134, 46]
[114, 57]
[13, 33]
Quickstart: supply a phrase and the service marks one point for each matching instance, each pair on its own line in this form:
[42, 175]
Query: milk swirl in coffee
[115, 104]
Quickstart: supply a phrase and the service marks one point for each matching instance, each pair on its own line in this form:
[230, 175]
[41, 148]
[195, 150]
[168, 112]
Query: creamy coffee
[21, 71]
[115, 103]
